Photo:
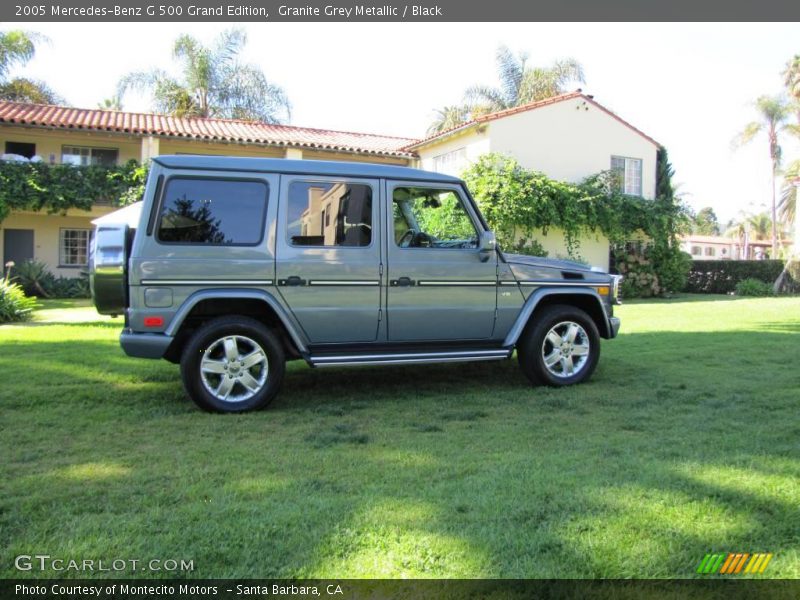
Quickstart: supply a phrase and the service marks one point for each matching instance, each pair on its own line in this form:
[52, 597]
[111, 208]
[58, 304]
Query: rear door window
[212, 212]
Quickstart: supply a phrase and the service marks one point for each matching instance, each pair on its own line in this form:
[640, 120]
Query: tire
[570, 361]
[222, 369]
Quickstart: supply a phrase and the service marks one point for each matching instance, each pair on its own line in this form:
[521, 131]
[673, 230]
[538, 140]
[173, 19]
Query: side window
[329, 214]
[214, 212]
[431, 218]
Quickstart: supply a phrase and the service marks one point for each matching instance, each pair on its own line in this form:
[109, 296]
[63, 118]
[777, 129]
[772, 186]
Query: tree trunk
[774, 220]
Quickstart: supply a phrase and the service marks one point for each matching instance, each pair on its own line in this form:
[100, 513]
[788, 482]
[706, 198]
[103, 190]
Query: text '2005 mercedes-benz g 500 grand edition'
[240, 264]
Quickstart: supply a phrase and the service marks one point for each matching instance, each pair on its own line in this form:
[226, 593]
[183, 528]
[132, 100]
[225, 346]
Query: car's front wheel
[232, 364]
[561, 346]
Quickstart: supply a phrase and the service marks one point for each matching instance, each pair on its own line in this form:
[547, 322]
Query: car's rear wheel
[232, 364]
[561, 346]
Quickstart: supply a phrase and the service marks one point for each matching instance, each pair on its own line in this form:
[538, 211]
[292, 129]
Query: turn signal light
[602, 290]
[153, 321]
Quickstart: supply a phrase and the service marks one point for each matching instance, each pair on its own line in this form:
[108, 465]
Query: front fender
[603, 325]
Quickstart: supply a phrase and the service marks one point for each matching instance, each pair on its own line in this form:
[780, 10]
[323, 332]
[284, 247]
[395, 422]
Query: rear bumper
[614, 324]
[144, 345]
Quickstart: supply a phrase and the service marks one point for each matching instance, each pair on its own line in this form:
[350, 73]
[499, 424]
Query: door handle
[294, 280]
[402, 282]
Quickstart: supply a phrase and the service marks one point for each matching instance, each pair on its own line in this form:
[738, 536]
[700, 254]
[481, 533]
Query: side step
[401, 358]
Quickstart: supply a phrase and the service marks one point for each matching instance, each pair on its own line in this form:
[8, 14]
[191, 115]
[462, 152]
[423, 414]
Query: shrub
[36, 280]
[721, 276]
[70, 287]
[14, 304]
[34, 277]
[640, 280]
[528, 248]
[753, 287]
[672, 267]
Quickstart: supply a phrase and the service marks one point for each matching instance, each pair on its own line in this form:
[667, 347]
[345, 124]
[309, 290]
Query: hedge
[721, 276]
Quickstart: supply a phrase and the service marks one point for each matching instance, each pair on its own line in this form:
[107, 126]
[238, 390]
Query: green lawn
[687, 441]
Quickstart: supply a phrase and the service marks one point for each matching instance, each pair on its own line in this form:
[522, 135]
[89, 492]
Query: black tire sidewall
[212, 331]
[529, 349]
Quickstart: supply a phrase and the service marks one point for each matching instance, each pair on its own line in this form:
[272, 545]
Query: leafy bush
[528, 248]
[721, 276]
[519, 202]
[640, 280]
[71, 287]
[672, 267]
[14, 304]
[35, 278]
[753, 287]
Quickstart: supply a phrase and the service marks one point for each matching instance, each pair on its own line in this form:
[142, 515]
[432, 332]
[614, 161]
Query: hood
[550, 263]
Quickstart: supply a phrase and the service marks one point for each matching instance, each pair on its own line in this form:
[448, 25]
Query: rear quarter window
[212, 212]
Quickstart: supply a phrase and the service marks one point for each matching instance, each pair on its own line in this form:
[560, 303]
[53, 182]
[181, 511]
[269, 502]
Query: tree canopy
[212, 83]
[17, 48]
[520, 84]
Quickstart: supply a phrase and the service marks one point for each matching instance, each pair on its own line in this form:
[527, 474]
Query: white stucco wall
[474, 142]
[571, 140]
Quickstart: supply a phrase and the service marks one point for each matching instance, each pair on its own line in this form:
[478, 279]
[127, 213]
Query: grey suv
[240, 264]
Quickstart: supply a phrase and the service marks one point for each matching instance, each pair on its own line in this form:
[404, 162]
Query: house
[715, 247]
[568, 137]
[711, 247]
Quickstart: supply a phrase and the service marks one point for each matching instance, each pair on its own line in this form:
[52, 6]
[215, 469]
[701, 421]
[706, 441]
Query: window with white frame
[451, 163]
[73, 247]
[84, 156]
[629, 173]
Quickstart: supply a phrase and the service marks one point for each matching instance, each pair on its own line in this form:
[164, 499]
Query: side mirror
[487, 244]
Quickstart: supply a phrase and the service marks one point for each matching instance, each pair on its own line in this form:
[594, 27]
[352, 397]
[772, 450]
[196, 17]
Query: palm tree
[112, 103]
[16, 49]
[213, 83]
[521, 84]
[774, 112]
[791, 77]
[787, 205]
[448, 117]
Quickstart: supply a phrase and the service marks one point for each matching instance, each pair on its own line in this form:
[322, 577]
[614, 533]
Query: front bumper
[614, 324]
[144, 345]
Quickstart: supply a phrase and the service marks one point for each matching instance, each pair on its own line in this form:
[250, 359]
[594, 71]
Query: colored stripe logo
[734, 563]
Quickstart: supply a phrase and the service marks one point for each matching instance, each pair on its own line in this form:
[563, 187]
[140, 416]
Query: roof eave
[444, 136]
[133, 132]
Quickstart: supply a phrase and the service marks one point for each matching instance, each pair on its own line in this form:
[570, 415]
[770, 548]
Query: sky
[689, 86]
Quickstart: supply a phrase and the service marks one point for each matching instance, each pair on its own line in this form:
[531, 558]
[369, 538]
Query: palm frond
[447, 118]
[484, 95]
[511, 69]
[16, 48]
[750, 131]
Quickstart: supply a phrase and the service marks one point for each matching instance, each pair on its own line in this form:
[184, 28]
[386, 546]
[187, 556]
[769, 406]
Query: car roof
[300, 167]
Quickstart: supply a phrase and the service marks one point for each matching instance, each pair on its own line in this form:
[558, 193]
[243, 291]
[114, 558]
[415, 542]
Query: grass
[687, 441]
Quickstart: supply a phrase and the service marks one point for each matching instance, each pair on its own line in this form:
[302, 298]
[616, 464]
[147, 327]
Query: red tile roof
[211, 130]
[524, 108]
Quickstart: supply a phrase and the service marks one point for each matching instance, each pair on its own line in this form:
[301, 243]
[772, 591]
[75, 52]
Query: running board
[334, 360]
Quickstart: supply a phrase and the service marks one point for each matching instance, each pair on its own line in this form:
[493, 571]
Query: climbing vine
[520, 204]
[57, 188]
